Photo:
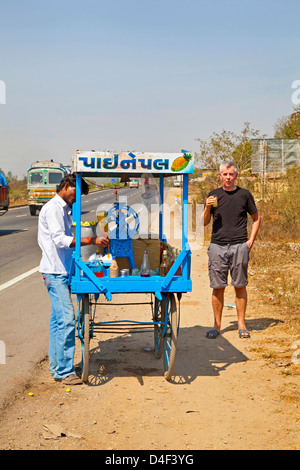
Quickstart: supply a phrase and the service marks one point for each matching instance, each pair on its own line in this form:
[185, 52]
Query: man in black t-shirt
[229, 248]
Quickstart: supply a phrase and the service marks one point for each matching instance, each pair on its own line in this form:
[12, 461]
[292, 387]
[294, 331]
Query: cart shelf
[130, 284]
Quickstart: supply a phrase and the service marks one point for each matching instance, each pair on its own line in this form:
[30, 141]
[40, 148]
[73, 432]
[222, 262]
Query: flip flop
[212, 334]
[244, 333]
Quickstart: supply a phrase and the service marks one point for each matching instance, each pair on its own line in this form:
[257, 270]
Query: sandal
[244, 333]
[212, 334]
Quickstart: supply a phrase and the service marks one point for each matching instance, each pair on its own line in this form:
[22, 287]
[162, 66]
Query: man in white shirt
[57, 242]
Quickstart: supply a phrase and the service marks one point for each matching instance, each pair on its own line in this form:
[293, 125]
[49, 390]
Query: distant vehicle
[134, 184]
[4, 196]
[42, 179]
[204, 175]
[178, 182]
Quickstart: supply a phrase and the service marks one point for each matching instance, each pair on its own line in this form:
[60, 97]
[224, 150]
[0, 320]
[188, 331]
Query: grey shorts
[233, 258]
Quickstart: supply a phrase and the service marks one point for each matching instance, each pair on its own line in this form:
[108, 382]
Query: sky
[143, 75]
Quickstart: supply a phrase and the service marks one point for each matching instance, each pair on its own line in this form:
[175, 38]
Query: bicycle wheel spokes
[170, 336]
[158, 317]
[86, 337]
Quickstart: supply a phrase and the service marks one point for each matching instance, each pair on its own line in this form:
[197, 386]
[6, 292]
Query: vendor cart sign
[133, 162]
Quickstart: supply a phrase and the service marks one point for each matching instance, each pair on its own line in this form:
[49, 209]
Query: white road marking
[17, 208]
[18, 278]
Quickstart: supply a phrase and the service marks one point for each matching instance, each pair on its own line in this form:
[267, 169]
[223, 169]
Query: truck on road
[4, 193]
[42, 179]
[177, 183]
[134, 183]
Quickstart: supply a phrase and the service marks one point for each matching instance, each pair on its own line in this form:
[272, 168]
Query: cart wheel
[85, 312]
[170, 336]
[158, 316]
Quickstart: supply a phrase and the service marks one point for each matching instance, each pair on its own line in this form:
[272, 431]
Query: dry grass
[274, 299]
[17, 192]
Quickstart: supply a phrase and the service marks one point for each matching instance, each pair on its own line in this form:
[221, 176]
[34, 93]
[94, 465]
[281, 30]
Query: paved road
[24, 302]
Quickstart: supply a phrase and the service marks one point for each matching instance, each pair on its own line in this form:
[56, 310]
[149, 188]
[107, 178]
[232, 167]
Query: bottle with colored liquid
[164, 267]
[179, 270]
[145, 268]
[173, 257]
[114, 268]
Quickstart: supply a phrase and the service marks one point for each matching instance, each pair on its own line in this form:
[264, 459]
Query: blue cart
[84, 278]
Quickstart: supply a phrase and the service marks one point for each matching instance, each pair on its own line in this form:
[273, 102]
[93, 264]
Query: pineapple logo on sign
[2, 352]
[181, 162]
[2, 92]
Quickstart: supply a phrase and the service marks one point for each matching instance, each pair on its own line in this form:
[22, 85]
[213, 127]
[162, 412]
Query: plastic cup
[124, 272]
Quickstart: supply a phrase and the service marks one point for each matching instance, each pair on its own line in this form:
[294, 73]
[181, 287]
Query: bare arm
[254, 230]
[91, 241]
[206, 216]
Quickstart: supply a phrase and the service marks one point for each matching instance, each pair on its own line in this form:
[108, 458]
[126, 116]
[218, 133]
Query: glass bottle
[168, 259]
[97, 259]
[114, 268]
[179, 270]
[164, 267]
[173, 256]
[145, 268]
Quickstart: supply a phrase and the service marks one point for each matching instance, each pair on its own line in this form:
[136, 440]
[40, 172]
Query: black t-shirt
[230, 215]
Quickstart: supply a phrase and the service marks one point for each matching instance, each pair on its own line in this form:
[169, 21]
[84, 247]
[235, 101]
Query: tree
[227, 146]
[288, 127]
[10, 177]
[219, 147]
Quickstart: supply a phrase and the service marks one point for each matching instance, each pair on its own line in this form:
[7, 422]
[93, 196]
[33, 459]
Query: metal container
[86, 231]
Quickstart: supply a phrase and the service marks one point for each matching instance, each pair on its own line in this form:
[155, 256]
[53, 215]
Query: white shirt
[55, 236]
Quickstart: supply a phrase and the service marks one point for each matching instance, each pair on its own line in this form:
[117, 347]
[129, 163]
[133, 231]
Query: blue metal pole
[161, 206]
[185, 192]
[77, 219]
[185, 202]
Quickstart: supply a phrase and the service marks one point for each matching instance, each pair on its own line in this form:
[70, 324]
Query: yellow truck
[42, 179]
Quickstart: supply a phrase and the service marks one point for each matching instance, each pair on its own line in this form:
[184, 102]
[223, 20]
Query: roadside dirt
[225, 394]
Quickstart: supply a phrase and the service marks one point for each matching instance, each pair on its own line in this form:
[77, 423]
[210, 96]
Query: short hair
[228, 164]
[71, 180]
